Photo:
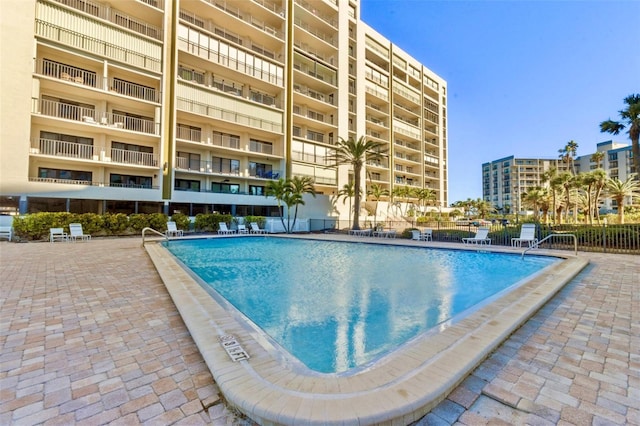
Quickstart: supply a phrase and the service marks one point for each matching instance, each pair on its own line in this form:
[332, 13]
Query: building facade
[506, 179]
[195, 105]
[617, 162]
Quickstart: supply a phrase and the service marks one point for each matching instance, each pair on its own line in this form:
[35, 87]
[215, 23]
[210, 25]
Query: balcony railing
[229, 62]
[328, 19]
[134, 90]
[96, 46]
[90, 116]
[209, 26]
[226, 141]
[312, 158]
[66, 72]
[62, 148]
[193, 135]
[183, 163]
[89, 183]
[259, 147]
[133, 157]
[228, 115]
[117, 17]
[314, 72]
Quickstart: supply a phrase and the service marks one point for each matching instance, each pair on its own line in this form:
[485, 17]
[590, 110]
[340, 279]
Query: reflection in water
[336, 305]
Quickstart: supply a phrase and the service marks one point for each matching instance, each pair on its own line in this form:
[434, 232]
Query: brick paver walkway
[576, 362]
[89, 335]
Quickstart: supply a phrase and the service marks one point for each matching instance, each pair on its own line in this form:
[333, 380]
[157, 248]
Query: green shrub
[115, 223]
[260, 220]
[158, 221]
[138, 221]
[182, 221]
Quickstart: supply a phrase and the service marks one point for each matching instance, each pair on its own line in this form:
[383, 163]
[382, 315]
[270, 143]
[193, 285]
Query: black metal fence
[594, 238]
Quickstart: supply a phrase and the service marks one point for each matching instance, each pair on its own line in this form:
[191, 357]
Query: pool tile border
[399, 389]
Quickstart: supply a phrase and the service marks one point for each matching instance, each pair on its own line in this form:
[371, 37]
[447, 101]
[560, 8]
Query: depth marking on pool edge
[233, 348]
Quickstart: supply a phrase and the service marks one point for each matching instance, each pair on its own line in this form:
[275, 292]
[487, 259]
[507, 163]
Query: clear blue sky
[524, 77]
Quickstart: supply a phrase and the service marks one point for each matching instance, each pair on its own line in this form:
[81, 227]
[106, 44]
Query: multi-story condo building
[617, 162]
[195, 105]
[505, 180]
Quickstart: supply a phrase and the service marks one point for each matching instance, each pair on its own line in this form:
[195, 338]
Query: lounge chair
[427, 235]
[361, 232]
[255, 229]
[242, 229]
[527, 235]
[172, 230]
[222, 229]
[6, 227]
[75, 233]
[57, 234]
[479, 238]
[415, 234]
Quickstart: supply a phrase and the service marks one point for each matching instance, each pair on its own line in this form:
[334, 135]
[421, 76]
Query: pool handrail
[166, 237]
[575, 242]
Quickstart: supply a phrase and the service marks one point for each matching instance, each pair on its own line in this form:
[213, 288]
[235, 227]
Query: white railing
[133, 157]
[228, 115]
[62, 149]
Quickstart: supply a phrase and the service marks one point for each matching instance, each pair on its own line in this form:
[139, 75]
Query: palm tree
[377, 192]
[298, 186]
[347, 192]
[290, 192]
[568, 153]
[278, 190]
[600, 181]
[534, 198]
[549, 176]
[563, 181]
[425, 196]
[355, 153]
[597, 158]
[630, 117]
[619, 190]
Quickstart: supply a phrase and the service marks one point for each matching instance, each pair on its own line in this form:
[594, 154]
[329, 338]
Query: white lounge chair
[6, 227]
[415, 234]
[57, 234]
[172, 230]
[427, 235]
[222, 229]
[75, 233]
[242, 229]
[255, 229]
[479, 238]
[527, 235]
[361, 232]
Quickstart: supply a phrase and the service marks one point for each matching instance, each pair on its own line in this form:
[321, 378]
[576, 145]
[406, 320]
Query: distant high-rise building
[505, 180]
[194, 106]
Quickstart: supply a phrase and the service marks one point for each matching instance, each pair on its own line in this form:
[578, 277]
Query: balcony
[227, 115]
[90, 116]
[99, 47]
[133, 157]
[312, 158]
[59, 148]
[224, 168]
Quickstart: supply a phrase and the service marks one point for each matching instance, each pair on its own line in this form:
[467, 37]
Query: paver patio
[89, 335]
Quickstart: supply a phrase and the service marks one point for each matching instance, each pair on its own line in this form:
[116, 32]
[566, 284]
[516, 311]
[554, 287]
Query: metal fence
[602, 238]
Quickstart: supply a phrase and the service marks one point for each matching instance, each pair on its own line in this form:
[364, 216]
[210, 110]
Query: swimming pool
[336, 306]
[398, 388]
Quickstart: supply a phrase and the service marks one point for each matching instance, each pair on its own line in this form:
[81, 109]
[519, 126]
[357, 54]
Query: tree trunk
[356, 202]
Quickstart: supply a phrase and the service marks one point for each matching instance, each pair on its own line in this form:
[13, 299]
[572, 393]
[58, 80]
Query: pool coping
[398, 389]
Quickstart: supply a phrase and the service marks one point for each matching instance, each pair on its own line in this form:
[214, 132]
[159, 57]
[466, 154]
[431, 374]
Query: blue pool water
[337, 305]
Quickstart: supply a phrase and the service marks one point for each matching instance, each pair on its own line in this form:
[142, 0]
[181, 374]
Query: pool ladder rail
[575, 242]
[166, 237]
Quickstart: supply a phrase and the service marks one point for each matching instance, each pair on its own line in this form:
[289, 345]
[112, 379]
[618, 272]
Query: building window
[256, 190]
[59, 174]
[129, 181]
[225, 188]
[187, 161]
[225, 165]
[187, 185]
[260, 170]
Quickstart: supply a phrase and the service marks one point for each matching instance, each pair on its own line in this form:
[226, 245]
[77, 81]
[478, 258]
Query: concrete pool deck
[90, 335]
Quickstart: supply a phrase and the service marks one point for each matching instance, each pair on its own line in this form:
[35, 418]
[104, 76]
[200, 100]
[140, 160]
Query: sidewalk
[90, 336]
